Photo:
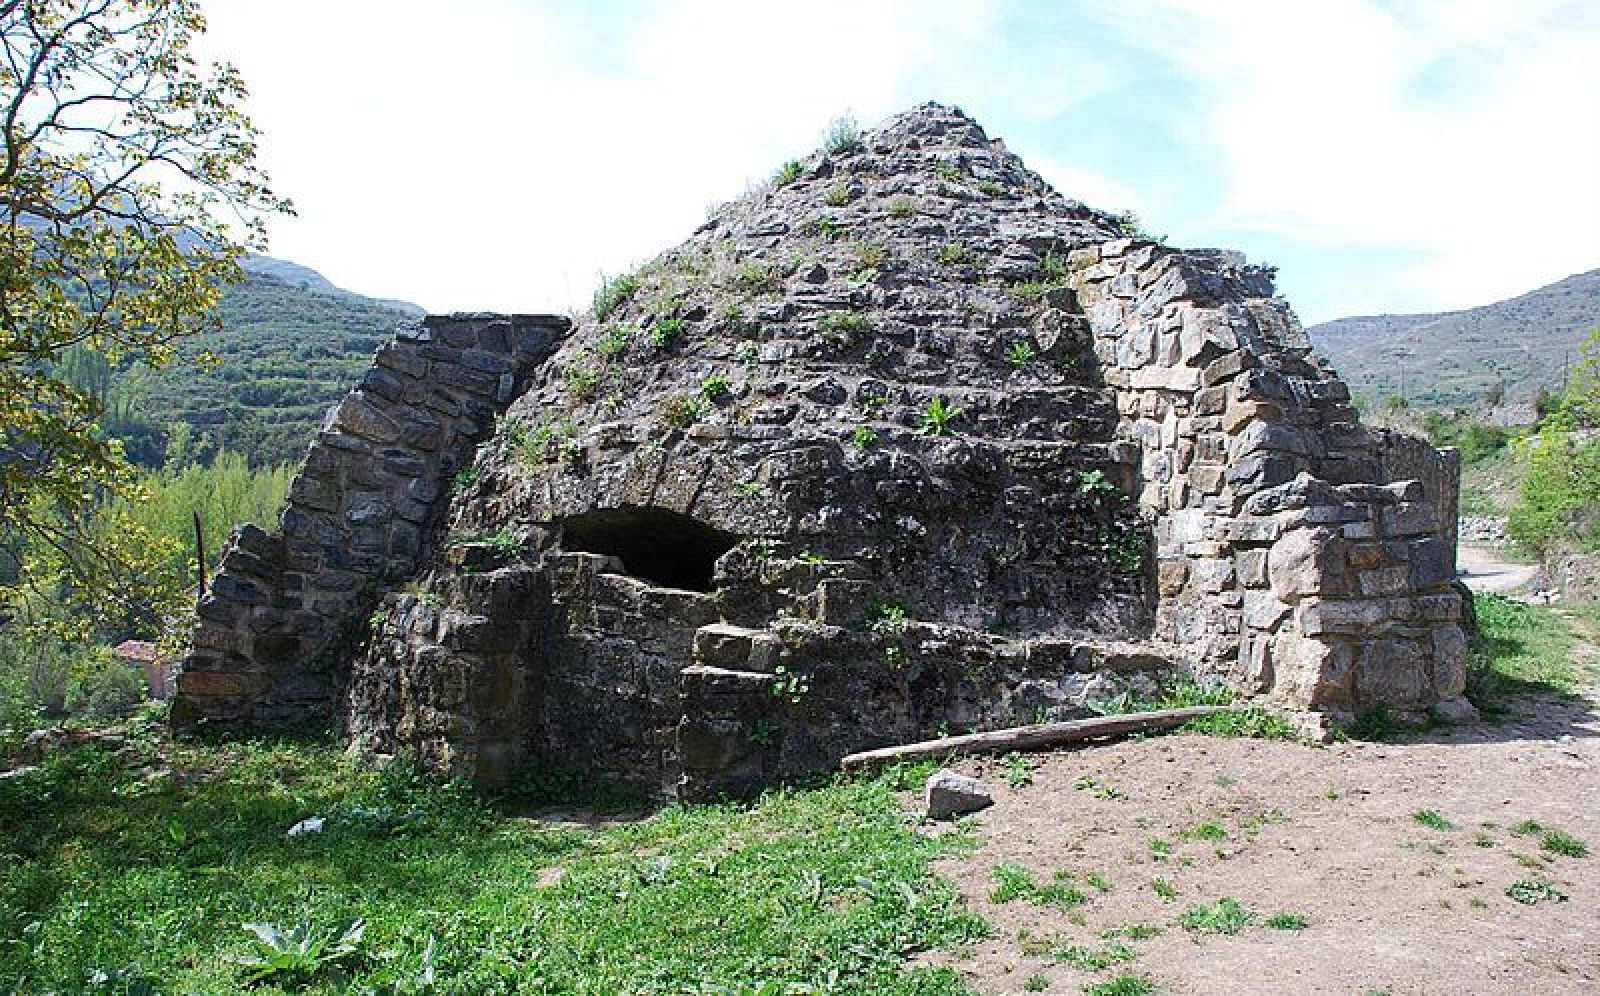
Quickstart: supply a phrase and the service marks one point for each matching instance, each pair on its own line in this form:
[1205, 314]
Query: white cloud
[1467, 132]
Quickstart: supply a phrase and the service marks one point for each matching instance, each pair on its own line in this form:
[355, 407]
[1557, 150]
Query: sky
[501, 155]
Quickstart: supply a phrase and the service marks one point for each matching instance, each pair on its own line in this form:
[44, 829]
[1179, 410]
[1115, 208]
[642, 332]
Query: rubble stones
[948, 795]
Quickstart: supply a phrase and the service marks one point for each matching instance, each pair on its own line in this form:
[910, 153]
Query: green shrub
[788, 173]
[843, 136]
[1559, 498]
[611, 294]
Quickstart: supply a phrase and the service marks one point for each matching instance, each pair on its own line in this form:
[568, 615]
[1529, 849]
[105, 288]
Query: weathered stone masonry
[286, 611]
[1297, 553]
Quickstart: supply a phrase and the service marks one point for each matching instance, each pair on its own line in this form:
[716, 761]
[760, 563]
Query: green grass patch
[150, 884]
[1225, 916]
[1564, 844]
[1014, 882]
[1433, 820]
[1126, 984]
[1530, 891]
[1520, 650]
[1094, 959]
[1285, 921]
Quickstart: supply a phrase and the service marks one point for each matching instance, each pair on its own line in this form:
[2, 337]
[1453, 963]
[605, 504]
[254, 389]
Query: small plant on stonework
[871, 401]
[1018, 770]
[948, 172]
[665, 332]
[378, 619]
[583, 382]
[954, 254]
[1032, 291]
[761, 733]
[1020, 353]
[1166, 890]
[1055, 267]
[844, 136]
[863, 438]
[989, 188]
[829, 228]
[837, 195]
[748, 490]
[788, 173]
[681, 410]
[431, 600]
[756, 277]
[1095, 482]
[747, 353]
[611, 294]
[465, 478]
[938, 417]
[872, 255]
[842, 326]
[614, 340]
[715, 388]
[1433, 820]
[1124, 548]
[788, 685]
[886, 618]
[902, 207]
[503, 543]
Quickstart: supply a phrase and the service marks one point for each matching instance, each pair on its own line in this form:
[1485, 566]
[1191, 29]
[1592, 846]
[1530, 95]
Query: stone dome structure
[905, 442]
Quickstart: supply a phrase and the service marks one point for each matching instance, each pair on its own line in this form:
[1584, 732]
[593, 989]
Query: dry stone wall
[1290, 556]
[287, 610]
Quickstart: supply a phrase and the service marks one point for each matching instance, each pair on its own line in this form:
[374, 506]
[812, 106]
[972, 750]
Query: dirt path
[1483, 570]
[1328, 834]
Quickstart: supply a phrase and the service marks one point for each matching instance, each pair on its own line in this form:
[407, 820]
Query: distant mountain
[295, 274]
[1456, 358]
[291, 345]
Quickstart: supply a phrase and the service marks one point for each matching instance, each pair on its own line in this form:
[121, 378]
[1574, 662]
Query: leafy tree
[1559, 502]
[128, 192]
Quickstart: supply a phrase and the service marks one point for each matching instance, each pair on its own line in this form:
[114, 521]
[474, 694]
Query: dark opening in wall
[655, 544]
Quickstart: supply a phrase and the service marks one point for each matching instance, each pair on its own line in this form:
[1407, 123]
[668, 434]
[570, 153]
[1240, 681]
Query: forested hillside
[291, 344]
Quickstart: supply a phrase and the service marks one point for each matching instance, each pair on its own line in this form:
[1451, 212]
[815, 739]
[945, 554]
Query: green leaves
[299, 952]
[128, 193]
[939, 417]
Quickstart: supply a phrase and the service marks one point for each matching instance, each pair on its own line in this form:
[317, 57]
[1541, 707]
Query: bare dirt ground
[1330, 834]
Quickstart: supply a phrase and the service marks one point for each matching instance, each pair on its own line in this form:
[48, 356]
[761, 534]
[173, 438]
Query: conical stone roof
[904, 442]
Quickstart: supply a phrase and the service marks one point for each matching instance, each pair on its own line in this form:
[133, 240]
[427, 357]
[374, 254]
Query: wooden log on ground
[1036, 737]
